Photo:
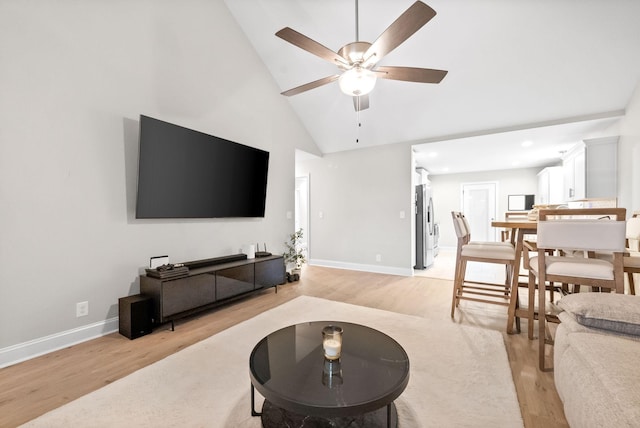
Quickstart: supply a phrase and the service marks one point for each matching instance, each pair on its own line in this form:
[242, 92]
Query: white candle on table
[332, 348]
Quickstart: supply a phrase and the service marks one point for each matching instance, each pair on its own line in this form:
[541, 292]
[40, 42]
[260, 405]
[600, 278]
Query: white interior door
[479, 206]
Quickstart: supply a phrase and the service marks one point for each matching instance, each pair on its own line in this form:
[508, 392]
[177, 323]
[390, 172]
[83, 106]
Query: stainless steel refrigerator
[425, 227]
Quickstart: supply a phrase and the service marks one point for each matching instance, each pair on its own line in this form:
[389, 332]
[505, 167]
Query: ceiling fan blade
[400, 30]
[361, 103]
[311, 85]
[410, 74]
[311, 46]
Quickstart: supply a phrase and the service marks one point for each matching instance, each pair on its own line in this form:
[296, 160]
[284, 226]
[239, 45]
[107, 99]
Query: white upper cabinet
[591, 169]
[550, 186]
[573, 165]
[602, 167]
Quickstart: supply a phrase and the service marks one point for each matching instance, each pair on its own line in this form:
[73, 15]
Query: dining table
[520, 226]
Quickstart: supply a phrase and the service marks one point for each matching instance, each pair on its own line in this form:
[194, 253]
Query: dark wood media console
[210, 283]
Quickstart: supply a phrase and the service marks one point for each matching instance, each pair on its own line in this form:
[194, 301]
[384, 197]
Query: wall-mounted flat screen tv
[183, 173]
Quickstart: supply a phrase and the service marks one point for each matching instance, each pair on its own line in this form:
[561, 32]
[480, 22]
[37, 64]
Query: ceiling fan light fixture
[357, 81]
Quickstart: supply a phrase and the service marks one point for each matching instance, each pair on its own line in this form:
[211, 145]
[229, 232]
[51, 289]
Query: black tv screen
[184, 173]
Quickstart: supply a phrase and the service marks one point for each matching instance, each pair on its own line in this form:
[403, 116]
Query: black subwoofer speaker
[135, 313]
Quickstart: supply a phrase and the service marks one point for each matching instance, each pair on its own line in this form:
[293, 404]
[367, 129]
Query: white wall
[629, 155]
[360, 195]
[75, 76]
[447, 190]
[356, 200]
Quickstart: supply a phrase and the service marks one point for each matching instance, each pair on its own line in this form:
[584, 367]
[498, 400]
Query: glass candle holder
[332, 342]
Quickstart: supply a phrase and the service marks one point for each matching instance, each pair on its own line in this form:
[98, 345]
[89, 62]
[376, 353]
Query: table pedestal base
[276, 417]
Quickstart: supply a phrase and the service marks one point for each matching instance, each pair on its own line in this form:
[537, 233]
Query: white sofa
[597, 360]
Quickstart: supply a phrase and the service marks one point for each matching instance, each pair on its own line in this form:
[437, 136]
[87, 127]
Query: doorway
[302, 211]
[479, 206]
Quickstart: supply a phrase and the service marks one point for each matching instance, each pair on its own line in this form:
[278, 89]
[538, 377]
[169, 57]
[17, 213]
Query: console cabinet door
[187, 293]
[270, 273]
[233, 281]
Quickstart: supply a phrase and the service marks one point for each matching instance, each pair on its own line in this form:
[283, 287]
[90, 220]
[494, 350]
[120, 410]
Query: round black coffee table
[301, 388]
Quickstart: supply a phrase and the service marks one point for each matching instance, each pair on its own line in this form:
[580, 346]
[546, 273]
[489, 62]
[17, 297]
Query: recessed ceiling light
[433, 154]
[527, 143]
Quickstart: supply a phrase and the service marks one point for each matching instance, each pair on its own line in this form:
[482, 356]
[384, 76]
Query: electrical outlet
[82, 309]
[378, 257]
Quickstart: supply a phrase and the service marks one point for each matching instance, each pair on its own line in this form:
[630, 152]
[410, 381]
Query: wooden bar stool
[599, 230]
[484, 252]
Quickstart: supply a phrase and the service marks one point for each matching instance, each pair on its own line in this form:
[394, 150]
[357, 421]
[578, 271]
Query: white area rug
[460, 376]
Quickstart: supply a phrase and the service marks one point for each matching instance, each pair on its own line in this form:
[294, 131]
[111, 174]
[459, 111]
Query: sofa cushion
[597, 378]
[618, 313]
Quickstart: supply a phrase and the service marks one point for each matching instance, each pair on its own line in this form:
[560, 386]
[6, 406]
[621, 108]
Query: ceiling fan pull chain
[358, 124]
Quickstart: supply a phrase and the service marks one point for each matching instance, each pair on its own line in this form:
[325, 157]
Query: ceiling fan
[358, 60]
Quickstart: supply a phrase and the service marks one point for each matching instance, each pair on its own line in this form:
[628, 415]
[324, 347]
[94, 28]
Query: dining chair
[631, 261]
[506, 234]
[583, 231]
[462, 228]
[483, 252]
[465, 224]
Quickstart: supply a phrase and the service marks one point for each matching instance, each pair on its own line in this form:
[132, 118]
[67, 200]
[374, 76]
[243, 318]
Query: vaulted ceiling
[549, 71]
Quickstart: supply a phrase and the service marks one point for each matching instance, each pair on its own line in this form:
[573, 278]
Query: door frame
[301, 215]
[492, 204]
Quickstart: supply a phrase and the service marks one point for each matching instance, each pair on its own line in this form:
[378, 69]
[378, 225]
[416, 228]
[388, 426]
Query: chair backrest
[633, 228]
[587, 229]
[516, 214]
[460, 227]
[633, 233]
[465, 223]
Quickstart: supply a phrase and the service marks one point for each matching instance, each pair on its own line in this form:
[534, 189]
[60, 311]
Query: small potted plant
[294, 256]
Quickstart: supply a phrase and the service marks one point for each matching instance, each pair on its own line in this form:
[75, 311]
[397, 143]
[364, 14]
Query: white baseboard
[34, 348]
[364, 268]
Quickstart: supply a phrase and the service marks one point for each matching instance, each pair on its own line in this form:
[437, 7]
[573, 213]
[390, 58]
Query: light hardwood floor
[34, 387]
